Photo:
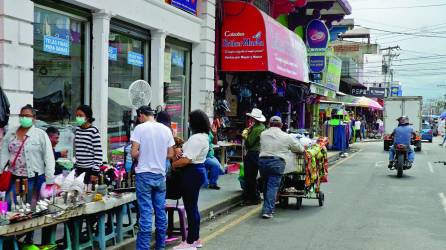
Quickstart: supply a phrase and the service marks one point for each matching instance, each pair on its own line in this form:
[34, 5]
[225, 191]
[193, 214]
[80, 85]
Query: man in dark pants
[251, 135]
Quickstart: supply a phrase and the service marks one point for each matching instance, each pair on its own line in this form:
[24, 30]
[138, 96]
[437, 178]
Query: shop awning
[253, 41]
[362, 102]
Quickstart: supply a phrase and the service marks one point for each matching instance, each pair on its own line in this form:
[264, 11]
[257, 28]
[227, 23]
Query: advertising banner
[317, 36]
[377, 92]
[332, 76]
[187, 5]
[253, 41]
[112, 53]
[135, 59]
[56, 45]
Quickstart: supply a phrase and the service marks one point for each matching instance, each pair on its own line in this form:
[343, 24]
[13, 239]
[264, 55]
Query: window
[127, 63]
[176, 83]
[59, 65]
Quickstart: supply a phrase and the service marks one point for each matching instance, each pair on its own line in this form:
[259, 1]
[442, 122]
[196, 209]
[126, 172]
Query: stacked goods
[317, 164]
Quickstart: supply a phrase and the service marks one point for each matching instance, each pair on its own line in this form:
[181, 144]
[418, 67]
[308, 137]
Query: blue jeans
[192, 178]
[34, 185]
[271, 171]
[213, 167]
[151, 195]
[410, 155]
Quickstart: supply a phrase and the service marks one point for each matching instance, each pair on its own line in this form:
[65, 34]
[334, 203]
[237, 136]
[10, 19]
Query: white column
[202, 87]
[99, 91]
[157, 47]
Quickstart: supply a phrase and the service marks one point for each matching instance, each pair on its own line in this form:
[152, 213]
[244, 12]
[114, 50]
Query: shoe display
[185, 246]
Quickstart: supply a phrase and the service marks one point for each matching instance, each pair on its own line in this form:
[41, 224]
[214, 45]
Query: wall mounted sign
[56, 45]
[135, 59]
[187, 5]
[317, 37]
[260, 44]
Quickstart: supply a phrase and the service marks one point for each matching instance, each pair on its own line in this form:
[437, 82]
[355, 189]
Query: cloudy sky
[421, 65]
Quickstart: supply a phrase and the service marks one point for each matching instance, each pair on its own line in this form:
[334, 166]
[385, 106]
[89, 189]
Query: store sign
[332, 76]
[395, 91]
[377, 92]
[371, 92]
[318, 36]
[187, 5]
[112, 53]
[253, 41]
[135, 59]
[56, 45]
[359, 92]
[318, 90]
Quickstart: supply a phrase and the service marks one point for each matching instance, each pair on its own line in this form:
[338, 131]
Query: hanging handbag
[5, 177]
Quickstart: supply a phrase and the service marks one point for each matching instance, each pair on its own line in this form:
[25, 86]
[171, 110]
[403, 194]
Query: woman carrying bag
[191, 164]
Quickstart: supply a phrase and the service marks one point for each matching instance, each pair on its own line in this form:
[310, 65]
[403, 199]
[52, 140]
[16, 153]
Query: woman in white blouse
[193, 174]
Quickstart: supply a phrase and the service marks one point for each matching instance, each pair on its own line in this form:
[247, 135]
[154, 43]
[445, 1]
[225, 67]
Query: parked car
[426, 132]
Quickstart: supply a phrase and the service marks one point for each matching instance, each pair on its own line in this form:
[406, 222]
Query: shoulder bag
[5, 177]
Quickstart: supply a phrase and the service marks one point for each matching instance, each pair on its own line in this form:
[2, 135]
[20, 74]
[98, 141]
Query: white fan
[140, 93]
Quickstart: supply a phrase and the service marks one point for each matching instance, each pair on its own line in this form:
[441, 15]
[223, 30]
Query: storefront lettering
[56, 45]
[233, 34]
[247, 42]
[135, 59]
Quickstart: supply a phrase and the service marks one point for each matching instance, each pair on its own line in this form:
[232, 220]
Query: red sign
[253, 41]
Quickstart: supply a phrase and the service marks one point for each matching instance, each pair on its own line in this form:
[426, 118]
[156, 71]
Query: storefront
[263, 65]
[59, 55]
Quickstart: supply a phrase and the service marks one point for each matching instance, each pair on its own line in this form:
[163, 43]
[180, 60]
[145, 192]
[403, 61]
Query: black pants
[251, 165]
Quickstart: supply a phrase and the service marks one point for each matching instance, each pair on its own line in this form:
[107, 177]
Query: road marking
[232, 224]
[343, 160]
[431, 168]
[443, 201]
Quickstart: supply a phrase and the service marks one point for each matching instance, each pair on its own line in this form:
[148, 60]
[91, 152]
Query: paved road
[366, 207]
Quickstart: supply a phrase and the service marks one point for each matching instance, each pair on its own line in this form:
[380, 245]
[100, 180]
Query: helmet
[403, 120]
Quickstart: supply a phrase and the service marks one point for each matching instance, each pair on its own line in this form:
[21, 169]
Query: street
[367, 207]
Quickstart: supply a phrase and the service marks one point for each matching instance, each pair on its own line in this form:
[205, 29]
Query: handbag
[173, 189]
[5, 177]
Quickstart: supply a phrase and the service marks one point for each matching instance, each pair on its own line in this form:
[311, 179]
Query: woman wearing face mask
[28, 153]
[87, 144]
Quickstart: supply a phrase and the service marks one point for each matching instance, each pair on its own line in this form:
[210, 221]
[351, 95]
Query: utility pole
[387, 64]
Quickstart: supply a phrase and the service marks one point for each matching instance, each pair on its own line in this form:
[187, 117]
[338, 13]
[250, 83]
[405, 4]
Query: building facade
[57, 55]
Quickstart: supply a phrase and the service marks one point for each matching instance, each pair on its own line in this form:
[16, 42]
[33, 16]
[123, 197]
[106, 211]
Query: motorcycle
[401, 161]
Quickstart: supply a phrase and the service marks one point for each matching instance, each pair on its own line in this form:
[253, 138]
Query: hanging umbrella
[365, 102]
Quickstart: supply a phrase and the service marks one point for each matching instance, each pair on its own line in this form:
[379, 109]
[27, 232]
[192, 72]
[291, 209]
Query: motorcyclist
[402, 135]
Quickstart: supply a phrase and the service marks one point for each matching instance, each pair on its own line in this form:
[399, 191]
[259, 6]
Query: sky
[421, 64]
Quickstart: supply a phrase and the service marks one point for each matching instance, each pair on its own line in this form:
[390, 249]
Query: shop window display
[176, 82]
[126, 65]
[59, 69]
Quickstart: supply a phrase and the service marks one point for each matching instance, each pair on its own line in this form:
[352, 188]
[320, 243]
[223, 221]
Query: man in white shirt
[358, 129]
[152, 144]
[274, 148]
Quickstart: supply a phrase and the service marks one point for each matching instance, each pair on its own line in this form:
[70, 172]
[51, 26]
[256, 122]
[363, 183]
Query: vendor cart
[305, 182]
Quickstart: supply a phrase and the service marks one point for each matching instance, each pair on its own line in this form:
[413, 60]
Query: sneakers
[185, 246]
[198, 244]
[267, 216]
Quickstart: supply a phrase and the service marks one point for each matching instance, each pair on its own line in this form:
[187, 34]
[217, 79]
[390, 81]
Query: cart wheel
[283, 202]
[321, 198]
[298, 203]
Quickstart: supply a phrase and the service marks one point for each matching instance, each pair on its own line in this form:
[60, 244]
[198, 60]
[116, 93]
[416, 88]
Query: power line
[402, 7]
[402, 33]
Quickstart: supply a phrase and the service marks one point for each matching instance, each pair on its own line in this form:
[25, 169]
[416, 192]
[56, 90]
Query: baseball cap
[275, 119]
[145, 110]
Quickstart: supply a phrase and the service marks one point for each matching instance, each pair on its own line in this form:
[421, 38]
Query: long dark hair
[199, 122]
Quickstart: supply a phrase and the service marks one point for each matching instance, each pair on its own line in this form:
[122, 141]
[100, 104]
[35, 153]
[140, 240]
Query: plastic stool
[121, 228]
[105, 230]
[13, 239]
[82, 239]
[171, 230]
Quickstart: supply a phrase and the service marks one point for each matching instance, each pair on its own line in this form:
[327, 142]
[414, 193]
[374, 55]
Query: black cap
[145, 110]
